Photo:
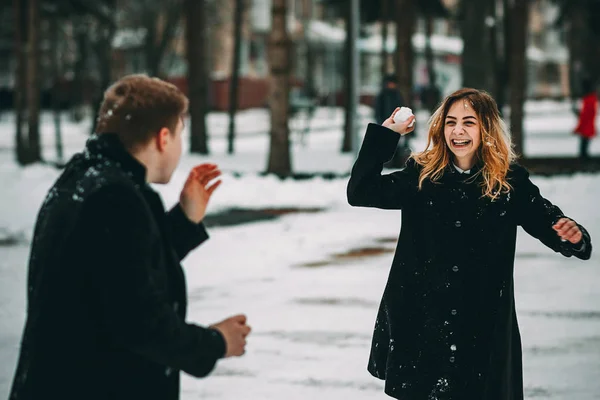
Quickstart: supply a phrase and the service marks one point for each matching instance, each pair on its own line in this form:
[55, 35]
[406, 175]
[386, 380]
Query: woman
[446, 327]
[586, 126]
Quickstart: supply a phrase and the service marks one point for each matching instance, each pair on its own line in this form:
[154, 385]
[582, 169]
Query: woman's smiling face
[462, 133]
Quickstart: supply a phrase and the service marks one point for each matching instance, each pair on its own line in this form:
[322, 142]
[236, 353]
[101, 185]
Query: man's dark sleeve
[129, 285]
[185, 234]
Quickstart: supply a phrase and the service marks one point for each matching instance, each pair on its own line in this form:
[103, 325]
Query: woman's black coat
[447, 327]
[106, 292]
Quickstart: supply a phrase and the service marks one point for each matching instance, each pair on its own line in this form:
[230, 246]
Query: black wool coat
[106, 292]
[447, 327]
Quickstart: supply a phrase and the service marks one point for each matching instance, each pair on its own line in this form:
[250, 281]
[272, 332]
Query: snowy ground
[312, 309]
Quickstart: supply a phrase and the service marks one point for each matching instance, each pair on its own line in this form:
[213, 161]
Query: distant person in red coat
[586, 127]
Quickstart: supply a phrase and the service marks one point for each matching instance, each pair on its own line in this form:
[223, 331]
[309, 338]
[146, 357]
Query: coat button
[453, 312]
[458, 224]
[451, 359]
[453, 347]
[455, 268]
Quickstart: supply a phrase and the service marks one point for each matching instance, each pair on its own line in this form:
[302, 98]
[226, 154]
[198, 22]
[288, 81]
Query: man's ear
[162, 139]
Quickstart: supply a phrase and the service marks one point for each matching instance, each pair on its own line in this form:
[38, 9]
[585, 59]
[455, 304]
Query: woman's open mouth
[460, 143]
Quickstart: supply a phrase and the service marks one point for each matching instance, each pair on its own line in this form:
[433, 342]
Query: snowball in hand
[402, 115]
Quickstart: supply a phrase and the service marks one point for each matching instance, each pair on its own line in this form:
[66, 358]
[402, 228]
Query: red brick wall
[252, 92]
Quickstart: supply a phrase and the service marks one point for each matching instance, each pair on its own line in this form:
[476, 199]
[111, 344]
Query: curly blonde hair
[495, 153]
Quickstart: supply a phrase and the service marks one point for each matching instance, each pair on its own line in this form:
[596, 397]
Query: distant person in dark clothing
[387, 100]
[106, 312]
[430, 97]
[586, 126]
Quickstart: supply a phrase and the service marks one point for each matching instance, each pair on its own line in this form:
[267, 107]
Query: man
[385, 103]
[106, 292]
[387, 99]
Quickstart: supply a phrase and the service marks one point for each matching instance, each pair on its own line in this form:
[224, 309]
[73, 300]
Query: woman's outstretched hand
[568, 230]
[399, 127]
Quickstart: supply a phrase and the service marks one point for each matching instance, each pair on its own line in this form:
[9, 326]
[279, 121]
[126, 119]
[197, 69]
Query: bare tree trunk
[56, 75]
[519, 17]
[235, 73]
[476, 55]
[406, 16]
[577, 42]
[33, 83]
[150, 21]
[504, 74]
[494, 51]
[432, 94]
[173, 16]
[498, 53]
[157, 41]
[307, 15]
[348, 83]
[429, 50]
[20, 9]
[591, 42]
[279, 61]
[103, 49]
[80, 81]
[385, 10]
[197, 74]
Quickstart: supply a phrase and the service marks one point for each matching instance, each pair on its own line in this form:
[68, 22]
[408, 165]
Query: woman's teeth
[460, 143]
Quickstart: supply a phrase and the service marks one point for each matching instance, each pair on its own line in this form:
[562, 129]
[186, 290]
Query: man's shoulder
[115, 203]
[85, 179]
[102, 174]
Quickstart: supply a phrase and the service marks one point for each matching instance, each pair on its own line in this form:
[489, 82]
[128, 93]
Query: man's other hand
[234, 331]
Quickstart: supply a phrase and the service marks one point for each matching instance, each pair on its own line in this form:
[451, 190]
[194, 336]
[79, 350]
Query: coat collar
[108, 145]
[453, 174]
[462, 171]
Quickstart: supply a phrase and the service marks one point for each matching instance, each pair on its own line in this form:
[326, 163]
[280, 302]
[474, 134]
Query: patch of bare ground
[239, 216]
[353, 254]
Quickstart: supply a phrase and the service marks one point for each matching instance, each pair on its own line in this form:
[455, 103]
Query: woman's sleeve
[367, 186]
[537, 215]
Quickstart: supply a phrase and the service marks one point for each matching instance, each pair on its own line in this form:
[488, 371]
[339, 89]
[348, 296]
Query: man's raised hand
[198, 189]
